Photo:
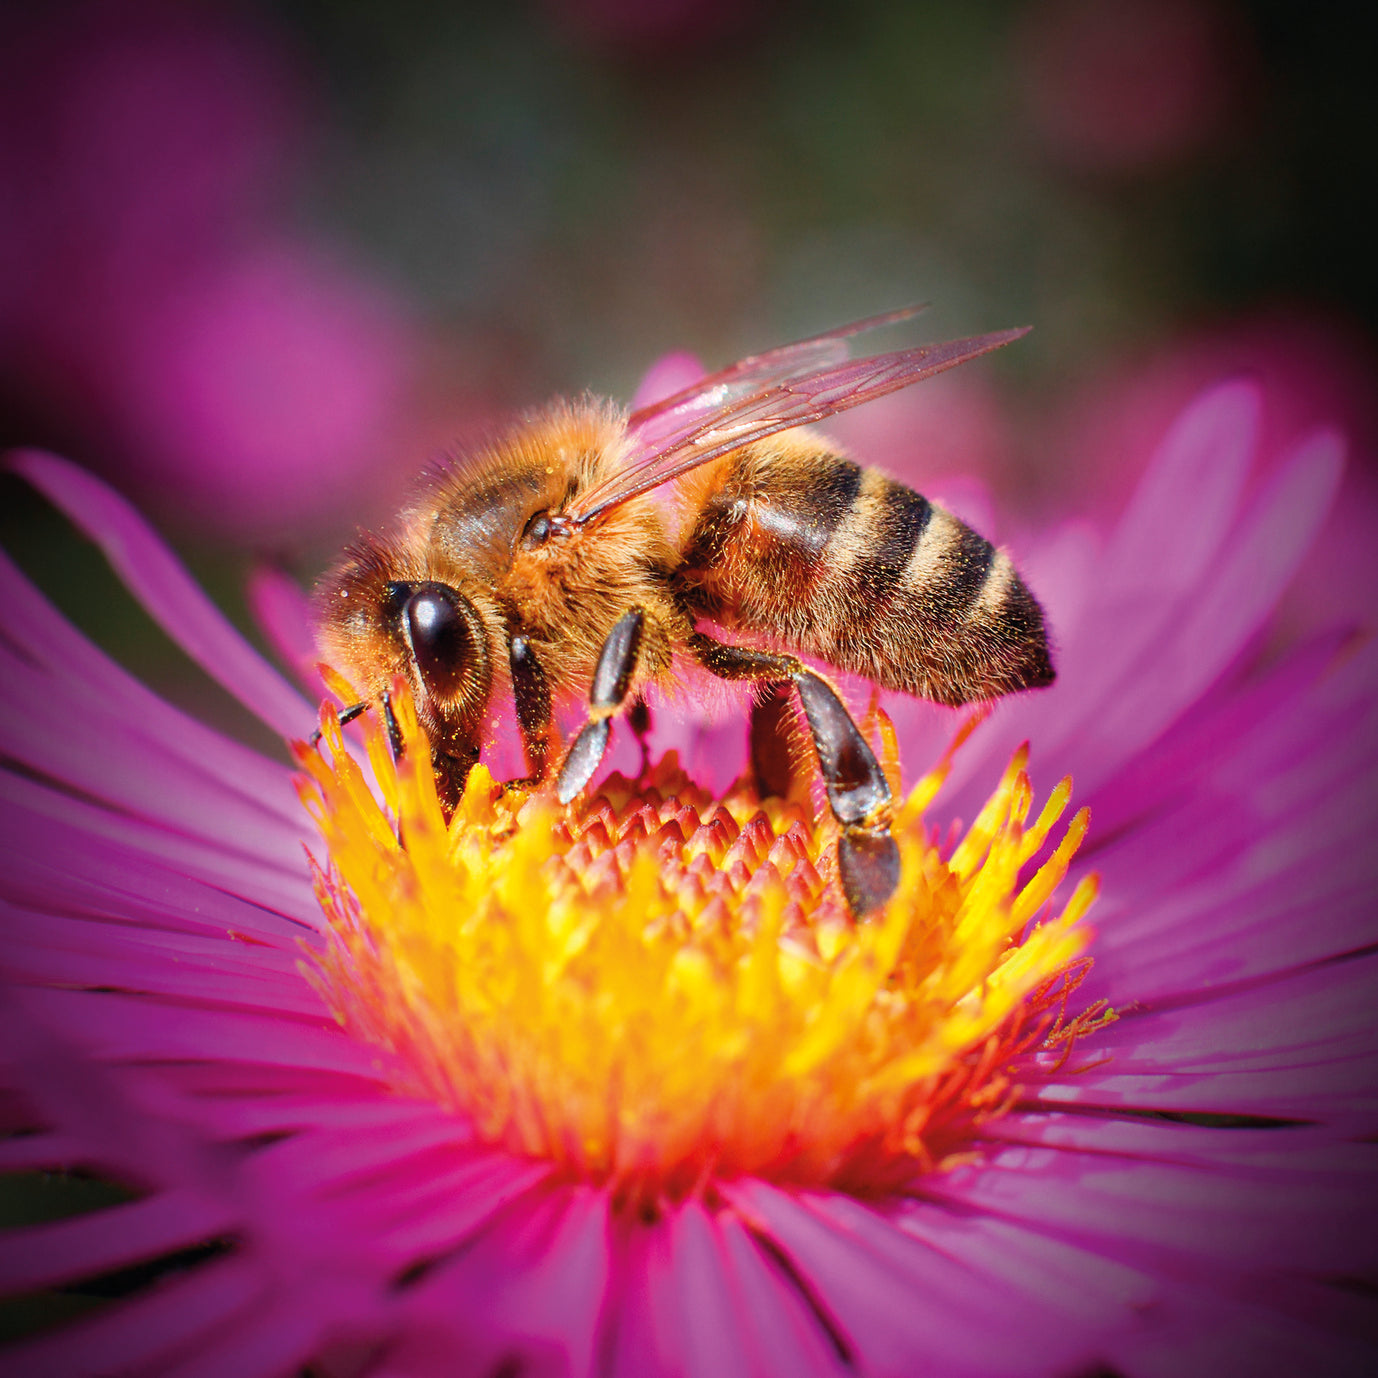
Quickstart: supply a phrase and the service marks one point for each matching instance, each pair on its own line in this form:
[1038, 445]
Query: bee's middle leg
[639, 720]
[858, 792]
[531, 693]
[612, 680]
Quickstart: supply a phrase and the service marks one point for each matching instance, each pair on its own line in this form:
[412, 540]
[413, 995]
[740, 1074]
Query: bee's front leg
[395, 743]
[451, 770]
[612, 679]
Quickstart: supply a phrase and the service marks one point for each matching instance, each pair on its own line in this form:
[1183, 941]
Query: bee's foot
[868, 863]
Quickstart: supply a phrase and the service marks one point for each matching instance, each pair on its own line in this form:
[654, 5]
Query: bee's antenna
[347, 716]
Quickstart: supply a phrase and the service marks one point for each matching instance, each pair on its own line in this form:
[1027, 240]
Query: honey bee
[550, 562]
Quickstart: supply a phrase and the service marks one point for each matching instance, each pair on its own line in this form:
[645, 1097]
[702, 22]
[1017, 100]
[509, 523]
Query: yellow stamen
[657, 989]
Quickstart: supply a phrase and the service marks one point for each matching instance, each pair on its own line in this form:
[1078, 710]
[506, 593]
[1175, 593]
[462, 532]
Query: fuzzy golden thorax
[470, 531]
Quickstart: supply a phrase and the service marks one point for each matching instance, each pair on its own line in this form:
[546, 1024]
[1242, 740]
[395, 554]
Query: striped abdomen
[842, 563]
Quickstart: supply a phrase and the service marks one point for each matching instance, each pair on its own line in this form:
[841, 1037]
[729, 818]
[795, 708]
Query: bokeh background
[260, 261]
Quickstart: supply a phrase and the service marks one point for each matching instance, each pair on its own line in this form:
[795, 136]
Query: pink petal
[102, 1241]
[126, 1028]
[902, 1305]
[282, 1115]
[109, 880]
[1296, 1047]
[285, 1333]
[70, 828]
[1250, 1215]
[537, 1283]
[705, 1302]
[1129, 1135]
[140, 1333]
[1226, 729]
[96, 750]
[1207, 453]
[1242, 589]
[1258, 865]
[671, 373]
[1202, 1332]
[409, 1141]
[159, 582]
[133, 1126]
[82, 678]
[282, 610]
[1146, 647]
[786, 1333]
[49, 950]
[34, 1152]
[1074, 1286]
[416, 1222]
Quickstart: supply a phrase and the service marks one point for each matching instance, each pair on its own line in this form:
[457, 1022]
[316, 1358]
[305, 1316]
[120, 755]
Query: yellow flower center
[657, 989]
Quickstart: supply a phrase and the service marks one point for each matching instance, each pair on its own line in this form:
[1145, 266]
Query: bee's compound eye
[396, 595]
[439, 635]
[538, 530]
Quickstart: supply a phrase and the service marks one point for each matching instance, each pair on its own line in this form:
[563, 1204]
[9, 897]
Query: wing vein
[758, 397]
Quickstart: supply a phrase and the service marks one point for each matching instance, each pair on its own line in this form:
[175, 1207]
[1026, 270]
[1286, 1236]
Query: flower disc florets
[656, 989]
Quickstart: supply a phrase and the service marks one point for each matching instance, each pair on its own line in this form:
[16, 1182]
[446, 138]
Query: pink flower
[1312, 369]
[1135, 85]
[156, 313]
[1199, 1201]
[262, 387]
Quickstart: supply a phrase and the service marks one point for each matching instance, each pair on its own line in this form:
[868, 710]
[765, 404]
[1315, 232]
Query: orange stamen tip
[337, 683]
[657, 989]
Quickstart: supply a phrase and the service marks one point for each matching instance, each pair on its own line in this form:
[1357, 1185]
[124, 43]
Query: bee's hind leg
[612, 678]
[858, 792]
[867, 858]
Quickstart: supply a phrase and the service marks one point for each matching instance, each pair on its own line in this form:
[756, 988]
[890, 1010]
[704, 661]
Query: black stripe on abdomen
[872, 553]
[805, 504]
[963, 573]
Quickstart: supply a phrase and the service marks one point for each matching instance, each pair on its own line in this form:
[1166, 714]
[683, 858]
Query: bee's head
[375, 625]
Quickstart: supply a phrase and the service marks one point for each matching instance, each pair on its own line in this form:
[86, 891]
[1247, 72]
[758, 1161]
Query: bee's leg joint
[858, 792]
[612, 680]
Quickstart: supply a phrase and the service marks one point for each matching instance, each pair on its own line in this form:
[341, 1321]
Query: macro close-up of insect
[579, 552]
[569, 807]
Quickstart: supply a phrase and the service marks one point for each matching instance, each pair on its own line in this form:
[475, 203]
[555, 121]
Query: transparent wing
[792, 386]
[773, 366]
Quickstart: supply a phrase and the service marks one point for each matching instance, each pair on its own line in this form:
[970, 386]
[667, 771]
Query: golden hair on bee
[545, 564]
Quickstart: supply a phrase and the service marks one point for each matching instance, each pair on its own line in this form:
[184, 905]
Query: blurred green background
[258, 262]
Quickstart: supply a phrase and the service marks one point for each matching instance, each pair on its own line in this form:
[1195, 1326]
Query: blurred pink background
[260, 262]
